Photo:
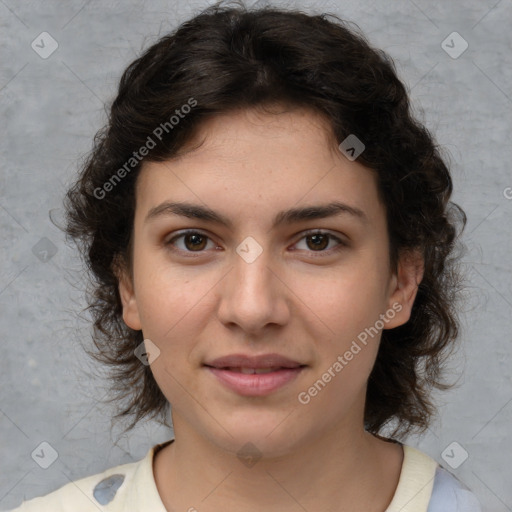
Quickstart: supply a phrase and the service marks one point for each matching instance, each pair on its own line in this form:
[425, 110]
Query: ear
[127, 293]
[404, 287]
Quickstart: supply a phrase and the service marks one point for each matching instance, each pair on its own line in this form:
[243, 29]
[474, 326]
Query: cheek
[176, 388]
[350, 301]
[167, 298]
[335, 394]
[174, 324]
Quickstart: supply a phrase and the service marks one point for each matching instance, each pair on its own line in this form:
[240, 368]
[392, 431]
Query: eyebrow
[294, 215]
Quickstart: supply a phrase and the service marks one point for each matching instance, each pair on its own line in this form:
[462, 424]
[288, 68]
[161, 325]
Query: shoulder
[85, 494]
[450, 494]
[424, 486]
[124, 487]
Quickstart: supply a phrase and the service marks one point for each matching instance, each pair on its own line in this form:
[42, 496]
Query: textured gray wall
[51, 107]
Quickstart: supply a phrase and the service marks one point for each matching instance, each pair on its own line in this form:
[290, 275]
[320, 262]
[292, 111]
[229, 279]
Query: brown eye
[318, 241]
[197, 241]
[193, 241]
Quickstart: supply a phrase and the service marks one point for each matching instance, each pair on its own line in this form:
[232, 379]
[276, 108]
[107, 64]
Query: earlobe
[405, 287]
[130, 309]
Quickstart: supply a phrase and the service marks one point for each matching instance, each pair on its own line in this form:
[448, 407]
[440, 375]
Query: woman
[269, 231]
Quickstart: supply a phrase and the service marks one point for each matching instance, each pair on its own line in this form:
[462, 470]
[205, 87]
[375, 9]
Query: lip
[246, 361]
[254, 384]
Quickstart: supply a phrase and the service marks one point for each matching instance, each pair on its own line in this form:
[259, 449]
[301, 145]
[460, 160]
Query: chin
[270, 434]
[248, 445]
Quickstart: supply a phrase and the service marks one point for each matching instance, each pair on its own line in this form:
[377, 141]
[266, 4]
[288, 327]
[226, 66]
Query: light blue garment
[451, 495]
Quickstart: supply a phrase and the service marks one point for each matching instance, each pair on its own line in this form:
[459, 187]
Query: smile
[254, 381]
[249, 371]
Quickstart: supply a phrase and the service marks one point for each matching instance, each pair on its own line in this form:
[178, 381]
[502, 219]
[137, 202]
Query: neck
[342, 470]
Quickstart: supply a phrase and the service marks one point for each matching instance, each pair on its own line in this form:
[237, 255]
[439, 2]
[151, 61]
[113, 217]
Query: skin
[306, 303]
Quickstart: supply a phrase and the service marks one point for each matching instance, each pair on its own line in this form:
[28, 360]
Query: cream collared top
[423, 487]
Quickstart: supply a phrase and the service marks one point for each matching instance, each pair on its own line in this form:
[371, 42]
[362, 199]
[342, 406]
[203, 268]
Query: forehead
[257, 162]
[263, 123]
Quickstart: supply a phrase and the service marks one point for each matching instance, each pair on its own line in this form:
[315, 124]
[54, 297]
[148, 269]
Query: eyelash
[341, 243]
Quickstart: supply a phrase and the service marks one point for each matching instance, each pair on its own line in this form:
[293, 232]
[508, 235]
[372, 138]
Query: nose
[254, 296]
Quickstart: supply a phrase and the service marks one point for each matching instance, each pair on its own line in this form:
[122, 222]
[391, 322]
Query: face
[248, 280]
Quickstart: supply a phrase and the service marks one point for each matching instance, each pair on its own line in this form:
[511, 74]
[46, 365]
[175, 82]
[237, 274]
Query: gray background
[52, 107]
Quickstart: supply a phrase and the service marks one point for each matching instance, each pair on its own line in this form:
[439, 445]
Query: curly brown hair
[230, 57]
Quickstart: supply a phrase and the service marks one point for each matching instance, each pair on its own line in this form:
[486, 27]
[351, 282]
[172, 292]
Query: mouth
[254, 376]
[251, 371]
